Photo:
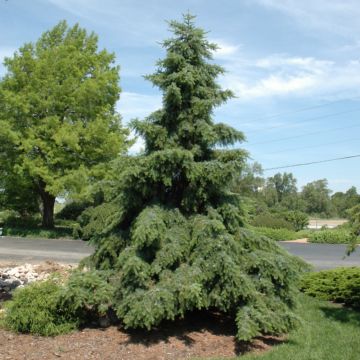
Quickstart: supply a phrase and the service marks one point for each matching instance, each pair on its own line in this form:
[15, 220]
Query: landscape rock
[19, 276]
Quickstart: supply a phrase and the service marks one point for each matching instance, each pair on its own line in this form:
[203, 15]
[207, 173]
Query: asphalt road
[323, 256]
[20, 250]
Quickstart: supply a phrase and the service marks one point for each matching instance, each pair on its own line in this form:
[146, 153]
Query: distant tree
[342, 202]
[297, 218]
[250, 180]
[316, 194]
[294, 202]
[354, 220]
[284, 184]
[57, 115]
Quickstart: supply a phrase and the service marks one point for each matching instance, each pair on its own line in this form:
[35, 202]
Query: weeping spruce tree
[173, 234]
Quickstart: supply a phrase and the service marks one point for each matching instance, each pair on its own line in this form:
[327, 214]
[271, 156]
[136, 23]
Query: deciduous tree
[57, 114]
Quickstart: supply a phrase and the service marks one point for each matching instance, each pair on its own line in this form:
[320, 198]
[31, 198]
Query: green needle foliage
[174, 235]
[58, 124]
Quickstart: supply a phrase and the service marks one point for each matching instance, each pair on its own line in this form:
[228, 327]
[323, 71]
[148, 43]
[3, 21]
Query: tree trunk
[48, 204]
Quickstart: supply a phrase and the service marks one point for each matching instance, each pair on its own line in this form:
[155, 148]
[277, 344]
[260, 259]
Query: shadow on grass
[205, 325]
[342, 314]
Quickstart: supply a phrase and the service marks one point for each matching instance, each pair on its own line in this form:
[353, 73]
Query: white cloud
[132, 105]
[137, 147]
[283, 75]
[225, 49]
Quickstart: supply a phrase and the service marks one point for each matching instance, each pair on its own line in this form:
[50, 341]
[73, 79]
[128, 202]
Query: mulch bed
[201, 335]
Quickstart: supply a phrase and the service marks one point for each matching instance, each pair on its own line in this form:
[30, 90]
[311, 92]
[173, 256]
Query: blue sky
[294, 66]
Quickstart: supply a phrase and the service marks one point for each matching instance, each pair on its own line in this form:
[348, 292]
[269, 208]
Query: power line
[313, 146]
[305, 109]
[302, 135]
[313, 162]
[304, 121]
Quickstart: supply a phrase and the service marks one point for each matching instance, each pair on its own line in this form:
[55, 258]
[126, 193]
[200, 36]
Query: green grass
[56, 233]
[328, 332]
[63, 229]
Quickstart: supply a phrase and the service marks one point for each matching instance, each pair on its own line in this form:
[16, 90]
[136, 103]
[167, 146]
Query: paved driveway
[323, 256]
[20, 250]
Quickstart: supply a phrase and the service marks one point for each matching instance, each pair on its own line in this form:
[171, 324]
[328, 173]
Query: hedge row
[340, 285]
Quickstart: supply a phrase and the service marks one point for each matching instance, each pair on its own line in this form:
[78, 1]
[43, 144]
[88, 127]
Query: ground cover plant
[340, 285]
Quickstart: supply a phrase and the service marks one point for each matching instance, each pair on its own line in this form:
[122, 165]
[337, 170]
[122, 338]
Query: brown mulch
[200, 336]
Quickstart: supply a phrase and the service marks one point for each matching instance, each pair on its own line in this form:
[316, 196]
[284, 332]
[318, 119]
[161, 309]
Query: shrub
[72, 210]
[14, 220]
[88, 295]
[35, 309]
[271, 221]
[298, 219]
[277, 234]
[48, 308]
[340, 285]
[93, 221]
[331, 236]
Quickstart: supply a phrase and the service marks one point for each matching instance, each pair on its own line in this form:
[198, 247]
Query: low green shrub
[331, 236]
[48, 308]
[89, 295]
[339, 285]
[277, 234]
[35, 309]
[271, 221]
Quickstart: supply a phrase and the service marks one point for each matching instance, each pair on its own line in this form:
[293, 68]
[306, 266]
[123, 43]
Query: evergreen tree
[173, 233]
[58, 124]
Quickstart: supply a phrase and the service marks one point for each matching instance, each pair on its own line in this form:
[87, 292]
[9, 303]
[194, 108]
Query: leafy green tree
[17, 193]
[284, 185]
[316, 194]
[250, 180]
[342, 202]
[173, 233]
[354, 220]
[58, 115]
[297, 218]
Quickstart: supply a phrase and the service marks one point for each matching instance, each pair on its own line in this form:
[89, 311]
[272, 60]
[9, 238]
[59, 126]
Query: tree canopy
[58, 124]
[172, 234]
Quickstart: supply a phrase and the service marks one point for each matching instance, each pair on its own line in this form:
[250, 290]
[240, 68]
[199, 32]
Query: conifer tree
[173, 234]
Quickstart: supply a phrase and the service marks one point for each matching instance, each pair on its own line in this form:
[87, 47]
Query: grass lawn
[328, 332]
[57, 232]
